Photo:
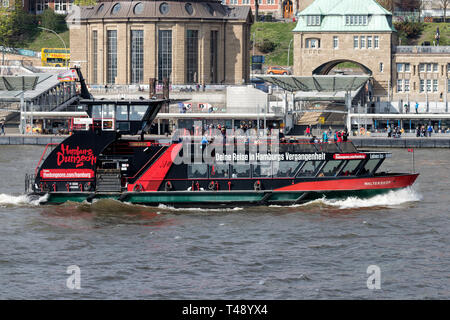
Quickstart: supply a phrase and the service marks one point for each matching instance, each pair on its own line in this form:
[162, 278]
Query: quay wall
[30, 140]
[401, 142]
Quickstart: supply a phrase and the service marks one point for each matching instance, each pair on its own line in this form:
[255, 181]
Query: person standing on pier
[417, 107]
[2, 128]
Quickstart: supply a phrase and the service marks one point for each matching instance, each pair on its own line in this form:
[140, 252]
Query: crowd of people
[328, 135]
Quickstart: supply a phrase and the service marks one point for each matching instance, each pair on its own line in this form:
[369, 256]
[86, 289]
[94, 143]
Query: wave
[23, 200]
[392, 198]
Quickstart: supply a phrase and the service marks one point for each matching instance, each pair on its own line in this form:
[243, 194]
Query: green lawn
[48, 40]
[279, 33]
[430, 30]
[428, 34]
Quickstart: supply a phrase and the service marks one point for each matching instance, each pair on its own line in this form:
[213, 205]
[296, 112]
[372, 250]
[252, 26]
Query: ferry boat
[108, 157]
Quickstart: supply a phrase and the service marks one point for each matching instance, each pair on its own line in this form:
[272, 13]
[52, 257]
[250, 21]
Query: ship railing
[29, 182]
[48, 149]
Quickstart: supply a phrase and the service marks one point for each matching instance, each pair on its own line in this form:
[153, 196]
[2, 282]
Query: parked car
[277, 70]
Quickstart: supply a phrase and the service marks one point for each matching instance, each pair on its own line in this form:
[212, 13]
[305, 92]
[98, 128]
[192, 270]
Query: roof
[330, 84]
[198, 9]
[44, 81]
[343, 7]
[333, 14]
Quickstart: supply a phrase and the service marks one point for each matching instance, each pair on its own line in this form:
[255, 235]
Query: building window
[313, 43]
[381, 67]
[111, 72]
[192, 56]
[406, 81]
[355, 42]
[407, 67]
[39, 6]
[363, 42]
[137, 56]
[422, 67]
[164, 54]
[435, 67]
[335, 42]
[369, 42]
[376, 42]
[115, 9]
[435, 85]
[213, 55]
[422, 85]
[139, 8]
[247, 2]
[399, 85]
[428, 85]
[313, 20]
[352, 20]
[428, 67]
[94, 56]
[399, 67]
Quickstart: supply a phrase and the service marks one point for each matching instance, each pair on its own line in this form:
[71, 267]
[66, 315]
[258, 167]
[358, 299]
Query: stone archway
[326, 68]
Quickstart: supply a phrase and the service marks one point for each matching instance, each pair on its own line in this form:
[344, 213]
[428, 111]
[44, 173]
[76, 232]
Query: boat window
[137, 112]
[262, 170]
[285, 169]
[219, 171]
[310, 168]
[198, 171]
[370, 166]
[351, 168]
[122, 113]
[108, 111]
[123, 126]
[240, 171]
[96, 111]
[331, 168]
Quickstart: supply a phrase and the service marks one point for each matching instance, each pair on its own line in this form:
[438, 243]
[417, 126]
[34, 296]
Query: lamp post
[289, 49]
[65, 48]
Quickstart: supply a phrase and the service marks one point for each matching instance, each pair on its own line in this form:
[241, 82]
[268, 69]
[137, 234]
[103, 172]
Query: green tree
[53, 21]
[85, 2]
[16, 26]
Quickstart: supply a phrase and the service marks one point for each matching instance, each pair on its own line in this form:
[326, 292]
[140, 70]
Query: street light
[289, 49]
[65, 48]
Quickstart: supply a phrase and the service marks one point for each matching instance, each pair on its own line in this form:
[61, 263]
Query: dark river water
[320, 250]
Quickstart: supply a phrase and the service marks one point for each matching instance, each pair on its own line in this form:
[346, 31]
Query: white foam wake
[390, 199]
[165, 207]
[7, 200]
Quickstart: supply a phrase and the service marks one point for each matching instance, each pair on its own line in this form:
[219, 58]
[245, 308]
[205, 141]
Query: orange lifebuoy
[168, 186]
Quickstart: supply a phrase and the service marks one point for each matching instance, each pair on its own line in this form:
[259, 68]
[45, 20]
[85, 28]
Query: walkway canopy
[320, 88]
[325, 83]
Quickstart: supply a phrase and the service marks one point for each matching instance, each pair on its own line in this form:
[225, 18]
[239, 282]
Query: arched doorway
[287, 9]
[348, 67]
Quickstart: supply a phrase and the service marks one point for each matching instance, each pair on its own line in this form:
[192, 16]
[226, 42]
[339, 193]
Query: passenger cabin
[129, 117]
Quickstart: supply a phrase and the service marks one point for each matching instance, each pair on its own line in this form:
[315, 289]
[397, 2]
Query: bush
[53, 21]
[409, 29]
[266, 46]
